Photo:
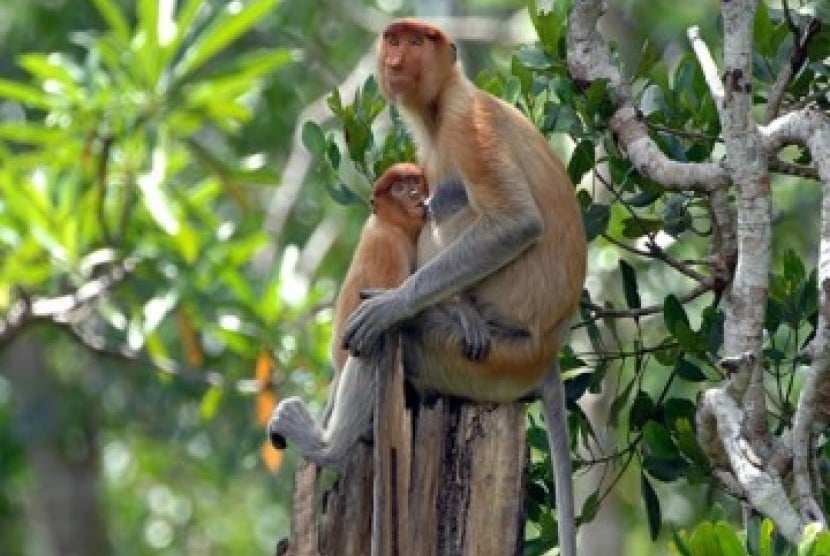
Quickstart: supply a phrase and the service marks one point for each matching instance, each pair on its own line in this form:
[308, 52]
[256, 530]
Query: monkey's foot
[292, 420]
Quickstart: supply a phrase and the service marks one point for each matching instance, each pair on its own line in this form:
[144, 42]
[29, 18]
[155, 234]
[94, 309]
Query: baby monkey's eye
[416, 40]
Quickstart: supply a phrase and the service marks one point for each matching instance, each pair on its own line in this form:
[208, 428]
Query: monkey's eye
[416, 40]
[393, 40]
[397, 188]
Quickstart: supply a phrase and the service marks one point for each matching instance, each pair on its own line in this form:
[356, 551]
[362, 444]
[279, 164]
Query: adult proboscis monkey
[515, 244]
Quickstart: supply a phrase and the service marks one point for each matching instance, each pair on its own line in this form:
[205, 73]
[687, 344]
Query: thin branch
[793, 65]
[791, 169]
[707, 65]
[189, 375]
[60, 308]
[600, 312]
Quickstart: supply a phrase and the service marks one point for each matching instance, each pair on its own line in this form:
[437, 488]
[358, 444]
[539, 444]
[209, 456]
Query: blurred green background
[151, 159]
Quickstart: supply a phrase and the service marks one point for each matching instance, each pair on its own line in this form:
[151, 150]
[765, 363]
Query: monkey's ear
[454, 50]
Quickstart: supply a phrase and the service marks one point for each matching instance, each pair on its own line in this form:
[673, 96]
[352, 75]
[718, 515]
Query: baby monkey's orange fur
[385, 254]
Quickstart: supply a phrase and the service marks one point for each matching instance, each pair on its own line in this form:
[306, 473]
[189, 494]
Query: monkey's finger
[358, 334]
[476, 344]
[480, 351]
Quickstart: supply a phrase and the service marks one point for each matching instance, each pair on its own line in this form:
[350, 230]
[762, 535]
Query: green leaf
[32, 96]
[762, 30]
[335, 103]
[314, 140]
[226, 28]
[112, 14]
[534, 57]
[596, 99]
[636, 227]
[658, 441]
[537, 438]
[680, 543]
[30, 133]
[562, 119]
[210, 403]
[677, 323]
[595, 220]
[794, 271]
[52, 66]
[817, 542]
[689, 371]
[548, 28]
[643, 199]
[333, 154]
[728, 541]
[688, 444]
[342, 194]
[641, 410]
[649, 56]
[629, 278]
[652, 504]
[665, 469]
[676, 216]
[619, 402]
[589, 508]
[766, 538]
[582, 160]
[359, 139]
[188, 242]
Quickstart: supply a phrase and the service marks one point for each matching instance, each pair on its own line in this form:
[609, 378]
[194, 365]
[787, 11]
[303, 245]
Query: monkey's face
[403, 202]
[413, 56]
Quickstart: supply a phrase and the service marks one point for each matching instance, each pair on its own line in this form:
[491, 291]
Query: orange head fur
[399, 197]
[415, 60]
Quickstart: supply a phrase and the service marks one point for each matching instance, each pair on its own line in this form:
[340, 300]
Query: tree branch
[793, 65]
[719, 422]
[589, 59]
[60, 308]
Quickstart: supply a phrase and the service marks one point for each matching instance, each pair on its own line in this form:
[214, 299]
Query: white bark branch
[589, 59]
[707, 65]
[719, 414]
[811, 129]
[747, 167]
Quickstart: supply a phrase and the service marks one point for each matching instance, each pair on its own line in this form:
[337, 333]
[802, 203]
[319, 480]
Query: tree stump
[444, 478]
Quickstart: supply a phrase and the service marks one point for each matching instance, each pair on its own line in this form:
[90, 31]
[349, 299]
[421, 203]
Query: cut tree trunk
[450, 483]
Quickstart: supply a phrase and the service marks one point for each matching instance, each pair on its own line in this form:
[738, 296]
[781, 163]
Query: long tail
[553, 403]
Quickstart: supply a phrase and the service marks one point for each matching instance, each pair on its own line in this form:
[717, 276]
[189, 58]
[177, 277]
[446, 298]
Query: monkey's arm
[487, 245]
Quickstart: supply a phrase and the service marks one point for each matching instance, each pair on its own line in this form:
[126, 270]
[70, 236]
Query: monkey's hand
[380, 311]
[475, 331]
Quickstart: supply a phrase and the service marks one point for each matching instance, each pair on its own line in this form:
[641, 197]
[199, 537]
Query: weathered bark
[451, 482]
[65, 504]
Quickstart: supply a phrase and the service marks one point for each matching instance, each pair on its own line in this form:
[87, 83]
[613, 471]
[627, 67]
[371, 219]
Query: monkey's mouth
[399, 83]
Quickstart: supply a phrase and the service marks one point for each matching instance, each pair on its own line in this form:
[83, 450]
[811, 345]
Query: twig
[60, 308]
[600, 312]
[707, 64]
[791, 169]
[793, 65]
